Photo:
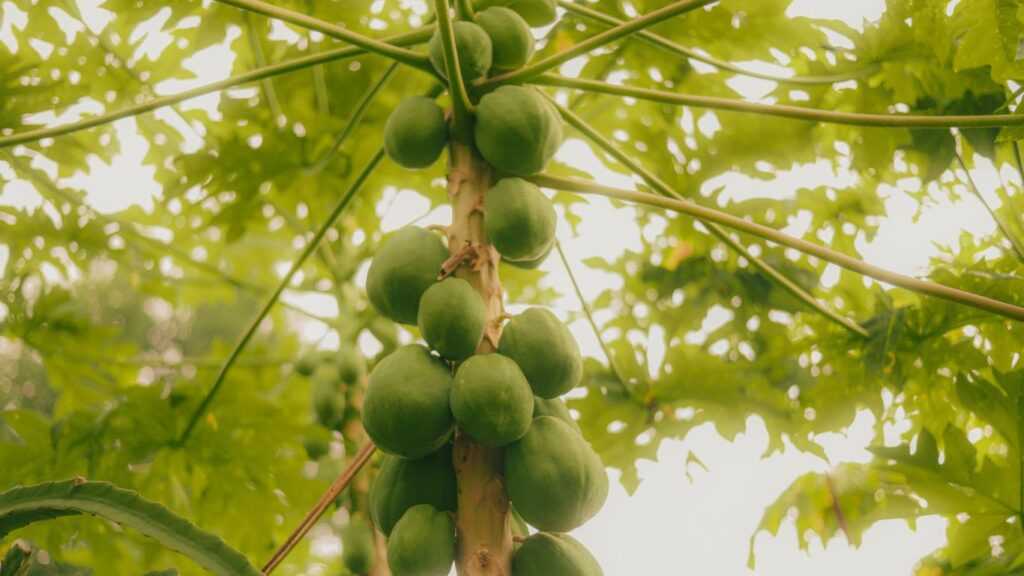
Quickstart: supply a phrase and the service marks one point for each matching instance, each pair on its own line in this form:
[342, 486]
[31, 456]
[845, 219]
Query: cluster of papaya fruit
[503, 396]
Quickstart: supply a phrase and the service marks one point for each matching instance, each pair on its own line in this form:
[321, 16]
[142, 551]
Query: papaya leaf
[21, 506]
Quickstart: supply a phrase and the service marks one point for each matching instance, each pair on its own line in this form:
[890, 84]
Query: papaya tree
[338, 315]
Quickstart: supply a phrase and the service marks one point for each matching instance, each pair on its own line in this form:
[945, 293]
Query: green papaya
[491, 400]
[405, 265]
[545, 350]
[517, 131]
[545, 554]
[358, 549]
[422, 543]
[403, 483]
[406, 409]
[535, 12]
[531, 264]
[556, 408]
[416, 132]
[554, 478]
[316, 446]
[452, 318]
[328, 397]
[519, 219]
[511, 41]
[305, 366]
[351, 364]
[473, 46]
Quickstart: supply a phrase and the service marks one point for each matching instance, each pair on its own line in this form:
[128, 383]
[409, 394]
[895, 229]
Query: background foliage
[112, 326]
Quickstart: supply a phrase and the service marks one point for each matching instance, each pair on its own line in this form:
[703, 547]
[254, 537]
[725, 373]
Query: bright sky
[681, 521]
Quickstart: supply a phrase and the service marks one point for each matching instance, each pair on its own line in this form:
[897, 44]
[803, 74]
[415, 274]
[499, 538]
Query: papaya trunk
[484, 534]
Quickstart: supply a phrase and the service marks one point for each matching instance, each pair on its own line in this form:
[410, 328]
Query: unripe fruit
[535, 12]
[403, 483]
[452, 318]
[406, 264]
[491, 400]
[546, 554]
[416, 133]
[358, 549]
[406, 410]
[554, 478]
[555, 408]
[517, 131]
[422, 543]
[545, 351]
[328, 397]
[510, 35]
[474, 49]
[519, 219]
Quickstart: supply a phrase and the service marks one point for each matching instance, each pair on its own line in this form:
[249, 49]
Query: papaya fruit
[491, 400]
[358, 550]
[316, 447]
[545, 351]
[554, 478]
[517, 131]
[519, 219]
[556, 408]
[422, 543]
[402, 483]
[328, 397]
[534, 263]
[405, 265]
[545, 554]
[351, 364]
[535, 12]
[406, 409]
[473, 46]
[512, 44]
[452, 317]
[305, 366]
[415, 133]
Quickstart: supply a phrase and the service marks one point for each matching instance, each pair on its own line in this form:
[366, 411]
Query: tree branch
[664, 189]
[296, 265]
[794, 112]
[971, 299]
[679, 50]
[607, 37]
[310, 520]
[406, 39]
[403, 55]
[261, 62]
[461, 106]
[1000, 223]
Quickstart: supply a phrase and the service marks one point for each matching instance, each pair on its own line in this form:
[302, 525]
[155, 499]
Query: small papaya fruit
[517, 131]
[351, 364]
[406, 408]
[316, 446]
[422, 543]
[415, 133]
[473, 46]
[554, 478]
[402, 483]
[511, 40]
[491, 400]
[405, 265]
[305, 366]
[519, 219]
[328, 397]
[545, 351]
[546, 553]
[358, 550]
[452, 318]
[556, 408]
[535, 12]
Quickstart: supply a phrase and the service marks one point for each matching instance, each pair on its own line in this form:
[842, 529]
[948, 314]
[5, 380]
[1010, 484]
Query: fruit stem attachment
[484, 532]
[461, 106]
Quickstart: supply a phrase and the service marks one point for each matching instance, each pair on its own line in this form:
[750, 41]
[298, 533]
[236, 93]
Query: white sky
[680, 521]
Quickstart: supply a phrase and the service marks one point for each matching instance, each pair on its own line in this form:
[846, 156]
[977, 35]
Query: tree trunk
[484, 534]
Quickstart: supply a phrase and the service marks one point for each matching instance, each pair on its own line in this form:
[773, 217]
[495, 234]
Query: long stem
[261, 61]
[403, 55]
[795, 112]
[406, 39]
[607, 37]
[978, 301]
[461, 106]
[336, 487]
[296, 265]
[1000, 223]
[587, 312]
[666, 190]
[679, 50]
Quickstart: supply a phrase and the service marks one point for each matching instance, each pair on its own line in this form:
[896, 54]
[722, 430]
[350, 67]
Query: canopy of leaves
[113, 325]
